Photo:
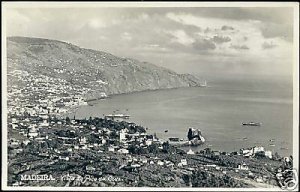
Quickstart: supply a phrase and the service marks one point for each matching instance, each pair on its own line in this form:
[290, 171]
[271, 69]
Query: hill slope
[99, 71]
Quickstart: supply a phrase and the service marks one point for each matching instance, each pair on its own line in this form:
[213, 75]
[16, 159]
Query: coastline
[143, 91]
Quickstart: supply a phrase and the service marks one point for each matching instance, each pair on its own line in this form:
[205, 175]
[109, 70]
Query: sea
[218, 110]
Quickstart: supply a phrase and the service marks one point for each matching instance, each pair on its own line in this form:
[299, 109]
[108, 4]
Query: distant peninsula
[100, 73]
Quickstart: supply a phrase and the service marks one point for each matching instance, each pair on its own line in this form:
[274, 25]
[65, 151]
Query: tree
[132, 149]
[113, 135]
[153, 148]
[190, 134]
[276, 156]
[68, 121]
[260, 155]
[166, 147]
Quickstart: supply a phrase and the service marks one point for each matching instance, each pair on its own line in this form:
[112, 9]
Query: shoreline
[142, 91]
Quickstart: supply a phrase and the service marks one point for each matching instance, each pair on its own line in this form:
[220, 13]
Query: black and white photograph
[104, 96]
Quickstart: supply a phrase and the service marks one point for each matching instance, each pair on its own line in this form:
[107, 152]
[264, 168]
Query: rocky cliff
[100, 71]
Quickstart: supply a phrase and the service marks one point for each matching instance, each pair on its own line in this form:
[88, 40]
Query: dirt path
[258, 185]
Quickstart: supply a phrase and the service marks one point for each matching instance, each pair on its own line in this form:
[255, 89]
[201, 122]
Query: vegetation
[206, 179]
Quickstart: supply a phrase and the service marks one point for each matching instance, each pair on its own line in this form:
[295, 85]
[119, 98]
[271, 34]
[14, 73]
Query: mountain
[97, 70]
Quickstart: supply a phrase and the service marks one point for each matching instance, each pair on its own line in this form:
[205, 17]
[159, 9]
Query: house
[14, 126]
[26, 142]
[123, 151]
[160, 162]
[190, 152]
[246, 152]
[122, 136]
[259, 179]
[243, 166]
[135, 165]
[257, 149]
[64, 158]
[268, 154]
[251, 175]
[144, 160]
[90, 168]
[148, 142]
[33, 133]
[111, 149]
[44, 124]
[82, 140]
[286, 159]
[14, 120]
[217, 153]
[183, 162]
[170, 164]
[14, 142]
[103, 141]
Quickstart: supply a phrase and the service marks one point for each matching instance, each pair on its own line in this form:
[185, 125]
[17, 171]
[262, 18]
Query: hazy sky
[196, 40]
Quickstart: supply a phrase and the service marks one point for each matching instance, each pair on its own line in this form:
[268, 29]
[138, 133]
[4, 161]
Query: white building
[26, 142]
[258, 149]
[268, 154]
[191, 152]
[183, 162]
[44, 124]
[64, 158]
[33, 133]
[243, 166]
[122, 135]
[82, 140]
[111, 149]
[148, 142]
[124, 151]
[160, 162]
[247, 152]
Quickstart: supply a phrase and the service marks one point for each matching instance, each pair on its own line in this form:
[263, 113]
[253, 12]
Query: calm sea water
[218, 110]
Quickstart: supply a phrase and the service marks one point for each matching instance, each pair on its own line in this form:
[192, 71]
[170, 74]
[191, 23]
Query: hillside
[96, 70]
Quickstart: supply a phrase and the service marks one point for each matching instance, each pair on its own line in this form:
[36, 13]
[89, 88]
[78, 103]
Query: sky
[199, 40]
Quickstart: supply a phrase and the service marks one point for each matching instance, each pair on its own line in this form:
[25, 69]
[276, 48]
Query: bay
[218, 110]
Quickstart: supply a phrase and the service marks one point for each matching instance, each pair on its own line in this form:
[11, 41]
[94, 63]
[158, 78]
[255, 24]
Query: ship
[251, 124]
[120, 116]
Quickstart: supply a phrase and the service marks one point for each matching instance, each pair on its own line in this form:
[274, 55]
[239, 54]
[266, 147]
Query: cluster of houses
[40, 94]
[250, 152]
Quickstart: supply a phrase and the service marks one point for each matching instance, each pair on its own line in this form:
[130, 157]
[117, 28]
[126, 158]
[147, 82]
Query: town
[46, 148]
[103, 148]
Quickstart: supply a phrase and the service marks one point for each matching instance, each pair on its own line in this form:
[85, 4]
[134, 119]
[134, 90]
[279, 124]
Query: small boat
[272, 140]
[251, 124]
[166, 131]
[272, 145]
[204, 84]
[245, 138]
[284, 148]
[174, 139]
